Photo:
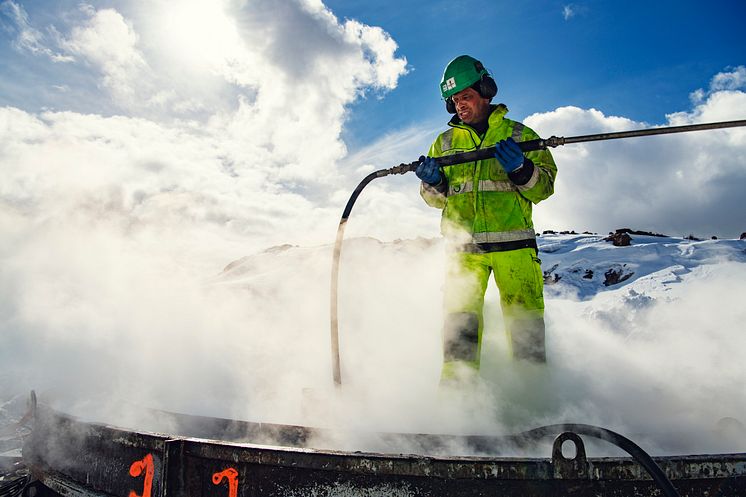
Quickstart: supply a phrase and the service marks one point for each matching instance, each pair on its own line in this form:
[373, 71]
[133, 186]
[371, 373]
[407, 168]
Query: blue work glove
[509, 155]
[428, 171]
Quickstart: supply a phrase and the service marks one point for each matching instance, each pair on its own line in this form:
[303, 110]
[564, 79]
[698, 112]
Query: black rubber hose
[336, 366]
[634, 450]
[555, 141]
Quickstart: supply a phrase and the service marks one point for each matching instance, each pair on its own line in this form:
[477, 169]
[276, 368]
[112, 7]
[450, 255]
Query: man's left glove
[509, 155]
[428, 171]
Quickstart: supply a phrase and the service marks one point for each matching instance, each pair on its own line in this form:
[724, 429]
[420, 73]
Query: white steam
[113, 229]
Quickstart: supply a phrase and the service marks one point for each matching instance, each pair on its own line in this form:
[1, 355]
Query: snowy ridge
[586, 264]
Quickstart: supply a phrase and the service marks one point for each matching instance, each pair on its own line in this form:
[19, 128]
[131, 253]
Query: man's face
[470, 106]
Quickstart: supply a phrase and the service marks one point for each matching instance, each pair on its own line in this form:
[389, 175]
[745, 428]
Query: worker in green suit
[486, 219]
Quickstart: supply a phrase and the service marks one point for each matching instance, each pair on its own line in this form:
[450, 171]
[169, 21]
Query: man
[486, 219]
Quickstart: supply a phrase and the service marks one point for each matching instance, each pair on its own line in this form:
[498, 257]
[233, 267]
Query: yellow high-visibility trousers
[519, 279]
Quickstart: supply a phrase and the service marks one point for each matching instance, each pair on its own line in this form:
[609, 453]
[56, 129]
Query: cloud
[732, 80]
[259, 61]
[108, 42]
[28, 38]
[572, 10]
[384, 69]
[218, 59]
[568, 12]
[242, 155]
[308, 81]
[680, 184]
[132, 177]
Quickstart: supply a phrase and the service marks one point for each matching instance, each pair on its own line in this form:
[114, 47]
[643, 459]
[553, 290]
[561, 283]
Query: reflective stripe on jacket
[481, 203]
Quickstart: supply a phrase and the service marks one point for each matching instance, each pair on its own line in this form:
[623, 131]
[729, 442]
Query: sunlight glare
[201, 34]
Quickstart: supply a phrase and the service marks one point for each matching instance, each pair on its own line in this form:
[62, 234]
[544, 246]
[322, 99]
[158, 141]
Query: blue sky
[638, 59]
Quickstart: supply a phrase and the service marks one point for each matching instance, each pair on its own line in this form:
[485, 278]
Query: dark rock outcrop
[617, 274]
[619, 239]
[637, 232]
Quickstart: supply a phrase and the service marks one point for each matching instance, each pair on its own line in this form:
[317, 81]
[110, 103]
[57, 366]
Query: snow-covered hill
[588, 264]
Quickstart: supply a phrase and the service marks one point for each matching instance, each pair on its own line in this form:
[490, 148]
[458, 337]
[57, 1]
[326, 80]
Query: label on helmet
[449, 84]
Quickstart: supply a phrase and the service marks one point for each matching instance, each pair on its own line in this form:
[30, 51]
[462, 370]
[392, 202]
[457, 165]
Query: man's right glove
[428, 171]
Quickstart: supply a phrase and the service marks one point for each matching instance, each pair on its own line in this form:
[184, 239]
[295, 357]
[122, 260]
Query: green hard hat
[460, 74]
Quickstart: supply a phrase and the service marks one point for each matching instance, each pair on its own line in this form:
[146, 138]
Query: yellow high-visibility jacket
[483, 206]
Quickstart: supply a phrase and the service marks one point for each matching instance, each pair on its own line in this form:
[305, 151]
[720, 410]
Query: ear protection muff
[486, 87]
[450, 106]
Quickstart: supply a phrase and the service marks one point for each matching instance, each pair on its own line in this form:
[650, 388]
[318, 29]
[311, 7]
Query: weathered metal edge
[698, 466]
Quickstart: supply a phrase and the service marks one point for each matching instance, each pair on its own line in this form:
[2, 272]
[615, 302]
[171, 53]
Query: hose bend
[334, 304]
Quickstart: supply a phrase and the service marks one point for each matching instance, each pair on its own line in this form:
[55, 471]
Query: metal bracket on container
[564, 468]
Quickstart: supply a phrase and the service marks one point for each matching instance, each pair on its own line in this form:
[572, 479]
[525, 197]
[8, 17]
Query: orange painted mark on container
[137, 468]
[231, 475]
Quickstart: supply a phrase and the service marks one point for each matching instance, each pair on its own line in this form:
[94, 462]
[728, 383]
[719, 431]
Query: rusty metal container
[75, 458]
